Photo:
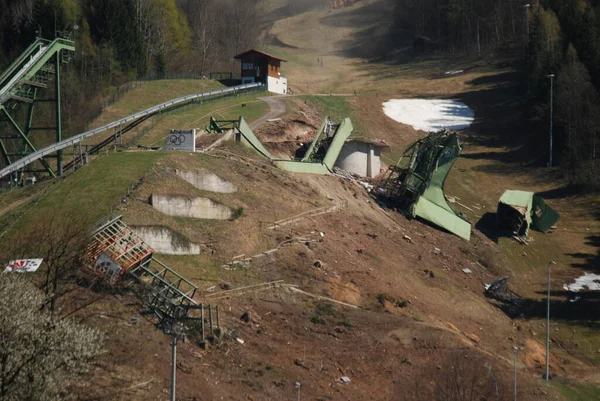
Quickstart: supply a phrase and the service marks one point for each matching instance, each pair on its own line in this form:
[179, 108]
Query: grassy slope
[198, 116]
[148, 94]
[94, 190]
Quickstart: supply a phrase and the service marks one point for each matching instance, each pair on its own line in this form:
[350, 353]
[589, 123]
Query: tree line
[561, 37]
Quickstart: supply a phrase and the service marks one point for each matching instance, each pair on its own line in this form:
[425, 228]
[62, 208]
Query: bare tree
[59, 240]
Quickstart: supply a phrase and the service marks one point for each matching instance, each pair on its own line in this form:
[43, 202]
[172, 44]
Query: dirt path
[277, 109]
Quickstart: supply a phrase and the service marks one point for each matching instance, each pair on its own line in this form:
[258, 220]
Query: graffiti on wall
[23, 266]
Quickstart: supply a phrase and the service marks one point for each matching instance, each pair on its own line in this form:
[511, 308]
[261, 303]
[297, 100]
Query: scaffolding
[114, 250]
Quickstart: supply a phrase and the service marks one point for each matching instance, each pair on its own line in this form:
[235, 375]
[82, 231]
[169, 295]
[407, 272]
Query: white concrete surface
[588, 281]
[189, 206]
[207, 181]
[163, 240]
[277, 85]
[430, 114]
[360, 158]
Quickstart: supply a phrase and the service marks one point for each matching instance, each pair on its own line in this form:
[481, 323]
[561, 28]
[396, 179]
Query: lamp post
[526, 7]
[176, 330]
[516, 350]
[489, 368]
[548, 325]
[551, 76]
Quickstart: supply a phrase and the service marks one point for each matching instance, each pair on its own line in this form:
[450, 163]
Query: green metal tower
[20, 85]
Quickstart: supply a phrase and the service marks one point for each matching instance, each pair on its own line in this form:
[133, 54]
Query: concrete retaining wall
[189, 206]
[163, 240]
[360, 158]
[207, 181]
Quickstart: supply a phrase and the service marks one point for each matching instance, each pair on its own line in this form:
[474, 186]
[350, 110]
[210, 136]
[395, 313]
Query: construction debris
[500, 291]
[415, 184]
[520, 210]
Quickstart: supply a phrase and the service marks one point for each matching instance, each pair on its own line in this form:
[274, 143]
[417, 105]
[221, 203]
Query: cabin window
[247, 66]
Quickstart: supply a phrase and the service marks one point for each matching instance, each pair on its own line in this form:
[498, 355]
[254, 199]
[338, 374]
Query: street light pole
[551, 76]
[548, 325]
[516, 350]
[173, 367]
[526, 6]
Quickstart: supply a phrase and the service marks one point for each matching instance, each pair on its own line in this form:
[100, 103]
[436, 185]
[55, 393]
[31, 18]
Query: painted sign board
[179, 139]
[108, 268]
[23, 266]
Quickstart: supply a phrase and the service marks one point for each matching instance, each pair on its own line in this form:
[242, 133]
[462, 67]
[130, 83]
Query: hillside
[358, 292]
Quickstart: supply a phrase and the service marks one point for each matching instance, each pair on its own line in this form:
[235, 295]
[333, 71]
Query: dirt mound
[285, 136]
[535, 357]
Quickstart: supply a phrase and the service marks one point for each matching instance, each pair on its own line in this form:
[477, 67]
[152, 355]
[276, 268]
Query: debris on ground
[345, 379]
[500, 291]
[467, 271]
[245, 317]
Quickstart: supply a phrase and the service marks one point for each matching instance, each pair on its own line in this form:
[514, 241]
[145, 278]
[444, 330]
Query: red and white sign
[23, 266]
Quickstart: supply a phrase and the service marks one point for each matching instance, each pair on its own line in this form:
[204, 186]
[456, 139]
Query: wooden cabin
[257, 66]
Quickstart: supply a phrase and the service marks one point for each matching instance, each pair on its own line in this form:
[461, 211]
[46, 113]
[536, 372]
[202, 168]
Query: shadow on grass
[487, 226]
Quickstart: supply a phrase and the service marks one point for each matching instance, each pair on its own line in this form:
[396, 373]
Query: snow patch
[588, 281]
[430, 115]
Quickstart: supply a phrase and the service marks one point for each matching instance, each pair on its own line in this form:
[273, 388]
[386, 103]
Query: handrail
[21, 163]
[17, 63]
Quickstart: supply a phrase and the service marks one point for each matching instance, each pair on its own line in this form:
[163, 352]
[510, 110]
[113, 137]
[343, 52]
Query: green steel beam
[4, 152]
[29, 119]
[27, 141]
[22, 58]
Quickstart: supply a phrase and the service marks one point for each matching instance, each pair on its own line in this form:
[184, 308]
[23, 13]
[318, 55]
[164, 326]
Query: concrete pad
[207, 181]
[189, 206]
[166, 241]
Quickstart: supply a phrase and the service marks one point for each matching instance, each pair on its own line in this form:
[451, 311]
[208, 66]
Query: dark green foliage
[160, 65]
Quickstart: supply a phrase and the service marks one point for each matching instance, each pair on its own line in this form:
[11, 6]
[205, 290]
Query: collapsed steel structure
[415, 184]
[114, 250]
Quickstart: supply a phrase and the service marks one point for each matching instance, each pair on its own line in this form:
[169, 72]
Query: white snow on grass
[588, 281]
[430, 114]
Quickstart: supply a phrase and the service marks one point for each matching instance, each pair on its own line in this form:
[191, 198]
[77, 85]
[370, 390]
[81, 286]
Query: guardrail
[21, 163]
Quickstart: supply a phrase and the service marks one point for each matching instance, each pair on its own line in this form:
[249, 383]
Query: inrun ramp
[31, 72]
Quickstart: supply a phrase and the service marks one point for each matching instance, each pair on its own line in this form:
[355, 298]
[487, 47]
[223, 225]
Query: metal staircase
[20, 84]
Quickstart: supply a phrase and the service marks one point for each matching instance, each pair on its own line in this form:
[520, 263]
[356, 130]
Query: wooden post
[218, 318]
[212, 333]
[202, 320]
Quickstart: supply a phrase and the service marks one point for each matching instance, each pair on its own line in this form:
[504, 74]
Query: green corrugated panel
[440, 216]
[252, 140]
[343, 132]
[302, 167]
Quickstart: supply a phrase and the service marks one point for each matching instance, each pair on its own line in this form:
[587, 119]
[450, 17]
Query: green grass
[148, 94]
[198, 116]
[96, 189]
[573, 392]
[338, 108]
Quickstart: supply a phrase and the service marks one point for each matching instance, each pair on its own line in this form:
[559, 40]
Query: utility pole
[551, 76]
[176, 331]
[516, 350]
[548, 326]
[173, 367]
